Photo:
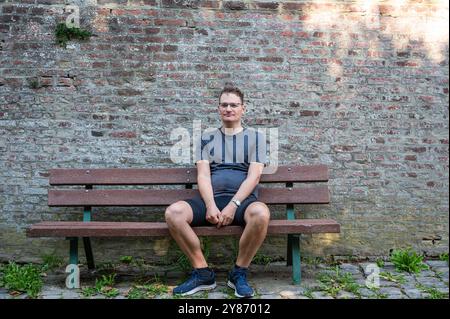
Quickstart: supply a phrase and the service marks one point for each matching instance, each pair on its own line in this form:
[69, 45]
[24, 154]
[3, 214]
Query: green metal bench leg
[295, 253]
[73, 250]
[88, 252]
[293, 249]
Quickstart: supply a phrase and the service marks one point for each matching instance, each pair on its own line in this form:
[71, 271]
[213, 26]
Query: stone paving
[273, 281]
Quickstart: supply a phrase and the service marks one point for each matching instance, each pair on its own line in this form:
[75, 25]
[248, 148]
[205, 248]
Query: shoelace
[194, 276]
[240, 276]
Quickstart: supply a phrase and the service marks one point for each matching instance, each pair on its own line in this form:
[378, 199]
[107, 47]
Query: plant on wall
[64, 33]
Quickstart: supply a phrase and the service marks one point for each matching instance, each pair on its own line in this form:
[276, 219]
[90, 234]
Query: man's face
[230, 107]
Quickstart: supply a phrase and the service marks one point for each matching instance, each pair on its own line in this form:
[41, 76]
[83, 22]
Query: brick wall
[361, 86]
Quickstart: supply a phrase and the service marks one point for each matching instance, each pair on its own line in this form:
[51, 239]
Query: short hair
[231, 88]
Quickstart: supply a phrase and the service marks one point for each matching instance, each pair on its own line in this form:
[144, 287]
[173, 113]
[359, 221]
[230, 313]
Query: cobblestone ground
[273, 281]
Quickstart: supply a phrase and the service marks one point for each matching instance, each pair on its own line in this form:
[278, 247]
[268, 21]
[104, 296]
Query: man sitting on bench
[230, 161]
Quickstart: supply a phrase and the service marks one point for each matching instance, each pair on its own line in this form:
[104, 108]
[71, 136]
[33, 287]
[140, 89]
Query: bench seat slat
[145, 229]
[159, 197]
[167, 176]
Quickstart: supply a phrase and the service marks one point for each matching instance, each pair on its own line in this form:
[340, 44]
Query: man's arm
[204, 182]
[248, 185]
[206, 191]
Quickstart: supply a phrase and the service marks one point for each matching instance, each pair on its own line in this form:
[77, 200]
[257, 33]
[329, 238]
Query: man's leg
[256, 216]
[178, 217]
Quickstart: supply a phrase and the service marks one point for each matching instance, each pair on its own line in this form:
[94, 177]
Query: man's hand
[227, 215]
[212, 214]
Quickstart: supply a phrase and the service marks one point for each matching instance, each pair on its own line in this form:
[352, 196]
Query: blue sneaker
[196, 282]
[237, 280]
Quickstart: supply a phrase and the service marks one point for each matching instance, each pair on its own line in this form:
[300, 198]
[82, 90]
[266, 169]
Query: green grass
[22, 278]
[178, 296]
[381, 296]
[154, 289]
[308, 293]
[444, 257]
[52, 262]
[229, 293]
[433, 292]
[408, 260]
[106, 267]
[391, 277]
[199, 295]
[139, 263]
[377, 294]
[34, 83]
[105, 281]
[110, 292]
[88, 291]
[261, 259]
[313, 261]
[135, 293]
[182, 263]
[380, 262]
[126, 259]
[104, 286]
[64, 34]
[334, 282]
[149, 288]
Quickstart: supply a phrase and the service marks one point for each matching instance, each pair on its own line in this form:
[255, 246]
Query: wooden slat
[159, 197]
[298, 174]
[166, 176]
[136, 229]
[122, 176]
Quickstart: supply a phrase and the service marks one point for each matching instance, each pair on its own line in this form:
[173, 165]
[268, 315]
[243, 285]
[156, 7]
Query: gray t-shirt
[230, 157]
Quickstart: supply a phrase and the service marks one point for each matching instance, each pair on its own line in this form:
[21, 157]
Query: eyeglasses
[233, 105]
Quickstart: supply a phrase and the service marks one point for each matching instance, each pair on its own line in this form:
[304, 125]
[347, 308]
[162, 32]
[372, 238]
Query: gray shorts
[199, 209]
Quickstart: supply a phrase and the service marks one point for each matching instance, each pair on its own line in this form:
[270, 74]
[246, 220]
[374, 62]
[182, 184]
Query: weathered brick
[99, 65]
[153, 48]
[411, 157]
[7, 9]
[37, 11]
[128, 92]
[125, 134]
[234, 5]
[267, 5]
[407, 63]
[309, 113]
[170, 48]
[273, 59]
[170, 22]
[65, 82]
[293, 6]
[152, 30]
[143, 2]
[9, 18]
[181, 3]
[97, 133]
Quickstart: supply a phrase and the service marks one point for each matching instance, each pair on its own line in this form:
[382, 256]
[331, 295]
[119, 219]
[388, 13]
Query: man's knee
[258, 213]
[176, 213]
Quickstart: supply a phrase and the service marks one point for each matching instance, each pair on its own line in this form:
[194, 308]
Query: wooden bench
[90, 197]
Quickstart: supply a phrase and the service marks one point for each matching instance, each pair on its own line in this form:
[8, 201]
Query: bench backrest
[289, 174]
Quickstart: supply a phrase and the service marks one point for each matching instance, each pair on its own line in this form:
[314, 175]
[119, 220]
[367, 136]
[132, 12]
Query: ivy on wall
[64, 34]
